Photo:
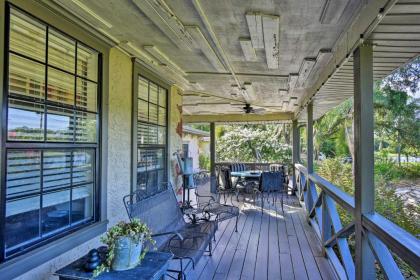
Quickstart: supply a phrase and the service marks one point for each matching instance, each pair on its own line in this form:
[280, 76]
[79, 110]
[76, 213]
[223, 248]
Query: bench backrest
[160, 212]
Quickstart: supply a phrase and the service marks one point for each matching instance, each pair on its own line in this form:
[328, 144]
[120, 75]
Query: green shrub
[204, 162]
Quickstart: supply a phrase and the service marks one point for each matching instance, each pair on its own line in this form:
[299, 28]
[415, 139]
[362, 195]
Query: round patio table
[249, 174]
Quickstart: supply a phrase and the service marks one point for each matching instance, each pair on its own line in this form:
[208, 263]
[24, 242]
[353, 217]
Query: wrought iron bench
[161, 213]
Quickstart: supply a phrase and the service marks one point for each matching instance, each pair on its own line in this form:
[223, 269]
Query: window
[51, 151]
[151, 136]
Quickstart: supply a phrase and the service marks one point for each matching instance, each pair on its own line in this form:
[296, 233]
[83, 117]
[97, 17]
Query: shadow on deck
[268, 245]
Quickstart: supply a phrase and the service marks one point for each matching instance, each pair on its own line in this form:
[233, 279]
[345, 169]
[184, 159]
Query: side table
[153, 267]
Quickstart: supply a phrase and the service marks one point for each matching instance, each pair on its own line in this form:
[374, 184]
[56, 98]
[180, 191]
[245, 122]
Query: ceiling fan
[248, 109]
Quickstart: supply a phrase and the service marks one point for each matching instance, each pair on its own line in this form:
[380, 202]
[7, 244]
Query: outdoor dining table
[249, 174]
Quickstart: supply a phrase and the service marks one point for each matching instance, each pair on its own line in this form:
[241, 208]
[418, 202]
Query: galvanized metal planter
[127, 253]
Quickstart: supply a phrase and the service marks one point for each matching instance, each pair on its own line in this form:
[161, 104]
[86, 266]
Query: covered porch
[95, 95]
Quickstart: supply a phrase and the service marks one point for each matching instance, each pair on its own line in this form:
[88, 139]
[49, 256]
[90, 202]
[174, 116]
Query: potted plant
[125, 246]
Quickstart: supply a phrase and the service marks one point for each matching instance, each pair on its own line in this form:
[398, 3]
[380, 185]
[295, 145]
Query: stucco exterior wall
[119, 159]
[193, 142]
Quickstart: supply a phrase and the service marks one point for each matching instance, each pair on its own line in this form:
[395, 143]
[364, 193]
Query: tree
[396, 119]
[254, 143]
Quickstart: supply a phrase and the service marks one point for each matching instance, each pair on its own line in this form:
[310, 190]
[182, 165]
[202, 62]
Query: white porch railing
[383, 236]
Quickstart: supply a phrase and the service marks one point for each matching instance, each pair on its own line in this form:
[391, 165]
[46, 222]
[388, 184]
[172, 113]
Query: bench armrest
[168, 233]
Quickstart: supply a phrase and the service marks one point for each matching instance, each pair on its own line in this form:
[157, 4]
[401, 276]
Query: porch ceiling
[395, 40]
[210, 50]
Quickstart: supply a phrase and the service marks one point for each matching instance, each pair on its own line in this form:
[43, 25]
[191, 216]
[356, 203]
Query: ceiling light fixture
[305, 70]
[166, 20]
[247, 49]
[162, 58]
[92, 13]
[254, 22]
[293, 77]
[201, 43]
[271, 40]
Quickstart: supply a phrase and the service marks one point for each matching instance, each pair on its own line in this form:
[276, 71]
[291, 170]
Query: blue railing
[320, 199]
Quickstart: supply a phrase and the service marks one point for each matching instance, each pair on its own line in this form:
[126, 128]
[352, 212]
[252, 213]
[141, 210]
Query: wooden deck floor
[268, 245]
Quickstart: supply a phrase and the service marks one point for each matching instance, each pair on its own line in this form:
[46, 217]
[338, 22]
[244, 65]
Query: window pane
[142, 89]
[83, 166]
[25, 121]
[55, 211]
[87, 63]
[26, 78]
[56, 169]
[152, 182]
[23, 173]
[60, 124]
[85, 127]
[60, 87]
[152, 134]
[142, 110]
[162, 97]
[27, 36]
[153, 94]
[162, 116]
[61, 51]
[142, 133]
[86, 95]
[153, 113]
[161, 180]
[22, 222]
[82, 203]
[141, 181]
[161, 135]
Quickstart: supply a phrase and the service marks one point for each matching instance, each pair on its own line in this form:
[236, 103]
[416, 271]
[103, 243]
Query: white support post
[213, 179]
[309, 153]
[364, 157]
[310, 140]
[295, 151]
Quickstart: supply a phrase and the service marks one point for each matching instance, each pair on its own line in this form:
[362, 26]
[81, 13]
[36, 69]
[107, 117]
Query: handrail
[384, 236]
[402, 243]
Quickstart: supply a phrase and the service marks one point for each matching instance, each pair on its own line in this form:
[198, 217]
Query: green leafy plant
[135, 230]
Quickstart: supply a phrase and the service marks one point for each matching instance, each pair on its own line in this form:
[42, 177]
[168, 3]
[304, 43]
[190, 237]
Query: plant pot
[127, 253]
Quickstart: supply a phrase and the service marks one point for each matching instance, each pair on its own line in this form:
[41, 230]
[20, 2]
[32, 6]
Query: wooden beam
[363, 156]
[284, 116]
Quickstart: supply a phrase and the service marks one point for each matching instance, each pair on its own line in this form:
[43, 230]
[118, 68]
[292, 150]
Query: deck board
[269, 244]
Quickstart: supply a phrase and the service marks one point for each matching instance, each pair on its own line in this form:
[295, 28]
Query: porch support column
[310, 140]
[364, 158]
[295, 151]
[213, 179]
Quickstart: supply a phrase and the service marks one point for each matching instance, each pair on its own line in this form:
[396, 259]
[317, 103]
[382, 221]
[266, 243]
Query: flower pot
[127, 253]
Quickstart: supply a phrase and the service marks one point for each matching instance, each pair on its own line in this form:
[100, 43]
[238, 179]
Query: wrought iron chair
[210, 205]
[273, 182]
[162, 214]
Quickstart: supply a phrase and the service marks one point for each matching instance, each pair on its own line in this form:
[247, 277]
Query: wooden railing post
[295, 151]
[213, 178]
[364, 157]
[309, 153]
